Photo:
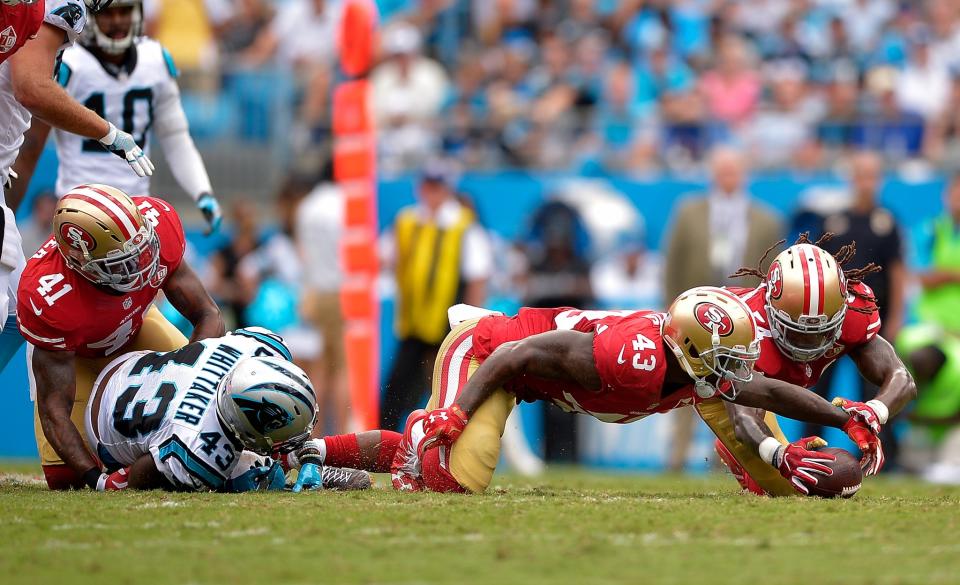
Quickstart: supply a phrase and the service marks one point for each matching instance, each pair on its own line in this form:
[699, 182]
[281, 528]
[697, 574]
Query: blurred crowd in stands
[592, 85]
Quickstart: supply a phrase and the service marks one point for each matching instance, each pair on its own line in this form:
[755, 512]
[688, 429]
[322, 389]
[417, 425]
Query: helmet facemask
[94, 37]
[127, 270]
[726, 364]
[809, 337]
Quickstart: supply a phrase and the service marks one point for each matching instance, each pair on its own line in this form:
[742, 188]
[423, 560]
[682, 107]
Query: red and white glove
[112, 482]
[442, 426]
[868, 443]
[797, 462]
[872, 413]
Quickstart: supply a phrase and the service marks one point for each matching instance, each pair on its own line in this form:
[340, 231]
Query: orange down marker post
[354, 163]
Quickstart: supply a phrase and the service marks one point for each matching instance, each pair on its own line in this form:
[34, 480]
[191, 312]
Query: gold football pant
[767, 477]
[469, 464]
[157, 334]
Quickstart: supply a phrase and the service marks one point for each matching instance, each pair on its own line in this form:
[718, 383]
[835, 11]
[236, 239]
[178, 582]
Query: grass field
[567, 527]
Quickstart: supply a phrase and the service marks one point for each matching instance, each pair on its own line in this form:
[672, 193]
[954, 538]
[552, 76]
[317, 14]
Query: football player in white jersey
[27, 90]
[207, 417]
[131, 81]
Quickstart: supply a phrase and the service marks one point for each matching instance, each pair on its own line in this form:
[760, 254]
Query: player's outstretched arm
[56, 391]
[31, 70]
[880, 365]
[790, 401]
[187, 295]
[26, 163]
[556, 355]
[748, 424]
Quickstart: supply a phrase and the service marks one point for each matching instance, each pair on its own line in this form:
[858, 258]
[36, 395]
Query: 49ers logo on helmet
[710, 315]
[775, 280]
[76, 235]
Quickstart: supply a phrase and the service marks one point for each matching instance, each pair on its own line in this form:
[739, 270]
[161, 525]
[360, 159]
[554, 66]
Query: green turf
[567, 527]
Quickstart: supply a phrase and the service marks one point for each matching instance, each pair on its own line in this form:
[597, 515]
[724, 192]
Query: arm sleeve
[173, 133]
[70, 16]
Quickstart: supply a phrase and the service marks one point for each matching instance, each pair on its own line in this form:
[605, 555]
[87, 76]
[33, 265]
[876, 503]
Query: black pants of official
[408, 386]
[891, 447]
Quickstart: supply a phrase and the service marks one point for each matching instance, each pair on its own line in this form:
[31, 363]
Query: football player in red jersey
[616, 366]
[86, 296]
[20, 21]
[809, 311]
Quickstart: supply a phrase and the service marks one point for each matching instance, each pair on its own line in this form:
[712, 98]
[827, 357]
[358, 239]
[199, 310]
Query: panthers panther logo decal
[264, 416]
[70, 13]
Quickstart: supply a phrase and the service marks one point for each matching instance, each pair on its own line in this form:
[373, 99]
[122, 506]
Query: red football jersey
[18, 24]
[59, 309]
[628, 352]
[858, 328]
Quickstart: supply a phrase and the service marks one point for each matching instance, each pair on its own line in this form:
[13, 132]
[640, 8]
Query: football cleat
[405, 469]
[737, 470]
[344, 479]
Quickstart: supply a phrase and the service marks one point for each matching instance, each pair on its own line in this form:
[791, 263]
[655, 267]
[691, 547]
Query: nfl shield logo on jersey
[127, 303]
[8, 38]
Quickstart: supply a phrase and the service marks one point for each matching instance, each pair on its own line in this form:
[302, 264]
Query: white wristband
[110, 136]
[102, 482]
[883, 413]
[768, 450]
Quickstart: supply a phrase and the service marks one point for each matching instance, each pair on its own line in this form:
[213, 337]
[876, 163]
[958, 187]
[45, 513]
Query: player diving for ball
[207, 416]
[86, 297]
[131, 81]
[28, 91]
[809, 311]
[616, 366]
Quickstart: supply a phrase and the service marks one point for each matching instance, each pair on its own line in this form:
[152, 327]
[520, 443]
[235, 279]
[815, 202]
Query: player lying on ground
[131, 81]
[207, 416]
[616, 366]
[28, 90]
[86, 296]
[809, 312]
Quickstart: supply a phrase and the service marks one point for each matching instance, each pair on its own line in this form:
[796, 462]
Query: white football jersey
[67, 15]
[130, 96]
[164, 404]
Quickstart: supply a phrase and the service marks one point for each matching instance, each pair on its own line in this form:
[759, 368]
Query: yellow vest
[428, 274]
[183, 28]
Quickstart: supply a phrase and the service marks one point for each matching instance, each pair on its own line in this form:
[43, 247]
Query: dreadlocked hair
[843, 257]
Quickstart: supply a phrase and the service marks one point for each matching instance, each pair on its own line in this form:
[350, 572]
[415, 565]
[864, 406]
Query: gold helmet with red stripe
[806, 301]
[103, 236]
[711, 332]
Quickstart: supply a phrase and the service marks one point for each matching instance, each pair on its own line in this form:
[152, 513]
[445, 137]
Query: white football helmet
[94, 37]
[267, 403]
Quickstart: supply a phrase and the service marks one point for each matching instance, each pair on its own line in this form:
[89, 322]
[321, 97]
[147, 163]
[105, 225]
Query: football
[846, 478]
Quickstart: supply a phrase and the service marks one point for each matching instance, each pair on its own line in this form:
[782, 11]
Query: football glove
[262, 478]
[872, 413]
[868, 443]
[210, 208]
[442, 426]
[309, 452]
[123, 145]
[800, 465]
[113, 481]
[310, 478]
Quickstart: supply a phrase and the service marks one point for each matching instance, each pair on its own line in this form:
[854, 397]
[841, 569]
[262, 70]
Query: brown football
[846, 478]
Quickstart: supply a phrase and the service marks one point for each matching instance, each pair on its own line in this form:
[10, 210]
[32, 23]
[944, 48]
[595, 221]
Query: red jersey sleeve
[629, 353]
[166, 222]
[862, 321]
[44, 325]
